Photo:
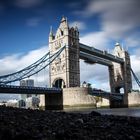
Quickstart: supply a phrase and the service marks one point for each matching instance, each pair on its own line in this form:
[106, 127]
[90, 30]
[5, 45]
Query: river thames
[132, 111]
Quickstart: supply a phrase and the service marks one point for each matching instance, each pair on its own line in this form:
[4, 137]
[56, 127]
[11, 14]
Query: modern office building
[30, 83]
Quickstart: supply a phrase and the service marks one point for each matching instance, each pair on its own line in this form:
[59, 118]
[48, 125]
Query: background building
[30, 83]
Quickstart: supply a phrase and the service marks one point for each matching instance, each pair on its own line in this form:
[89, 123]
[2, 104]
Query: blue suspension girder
[31, 69]
[136, 78]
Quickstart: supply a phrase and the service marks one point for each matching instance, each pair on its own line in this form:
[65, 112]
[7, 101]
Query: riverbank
[22, 124]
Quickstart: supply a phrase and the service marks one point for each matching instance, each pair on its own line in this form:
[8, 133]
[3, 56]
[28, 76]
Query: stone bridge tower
[65, 70]
[120, 74]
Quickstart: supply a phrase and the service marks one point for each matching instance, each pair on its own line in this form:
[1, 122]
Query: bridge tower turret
[65, 71]
[120, 74]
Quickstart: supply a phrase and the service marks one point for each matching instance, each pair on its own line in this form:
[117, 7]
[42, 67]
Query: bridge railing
[10, 89]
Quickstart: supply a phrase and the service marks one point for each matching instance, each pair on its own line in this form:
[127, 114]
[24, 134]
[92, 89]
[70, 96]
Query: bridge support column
[116, 103]
[54, 101]
[120, 77]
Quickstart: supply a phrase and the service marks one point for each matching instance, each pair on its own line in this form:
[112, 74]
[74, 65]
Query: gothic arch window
[118, 54]
[62, 33]
[75, 33]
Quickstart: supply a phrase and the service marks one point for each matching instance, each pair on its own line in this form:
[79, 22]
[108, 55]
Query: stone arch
[119, 89]
[59, 83]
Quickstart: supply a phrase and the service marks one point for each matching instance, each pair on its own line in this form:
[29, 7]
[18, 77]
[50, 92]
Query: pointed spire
[64, 22]
[51, 31]
[117, 44]
[122, 47]
[63, 19]
[76, 27]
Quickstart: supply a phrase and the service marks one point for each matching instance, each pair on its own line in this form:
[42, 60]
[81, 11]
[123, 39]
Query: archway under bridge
[59, 83]
[95, 74]
[119, 90]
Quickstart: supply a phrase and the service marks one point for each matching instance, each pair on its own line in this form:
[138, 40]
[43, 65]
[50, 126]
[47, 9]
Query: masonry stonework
[134, 99]
[65, 71]
[77, 96]
[120, 74]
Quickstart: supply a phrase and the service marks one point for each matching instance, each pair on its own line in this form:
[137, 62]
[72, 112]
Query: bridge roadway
[42, 90]
[28, 90]
[94, 55]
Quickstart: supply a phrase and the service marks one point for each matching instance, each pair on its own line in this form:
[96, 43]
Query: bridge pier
[120, 77]
[54, 101]
[70, 97]
[116, 103]
[119, 103]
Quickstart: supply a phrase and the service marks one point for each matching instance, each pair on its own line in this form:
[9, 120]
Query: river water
[134, 111]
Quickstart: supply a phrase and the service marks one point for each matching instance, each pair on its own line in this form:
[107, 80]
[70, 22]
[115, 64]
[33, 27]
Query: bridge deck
[42, 90]
[27, 90]
[94, 59]
[99, 53]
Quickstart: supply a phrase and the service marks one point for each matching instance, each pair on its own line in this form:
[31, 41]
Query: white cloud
[119, 19]
[97, 39]
[7, 64]
[28, 3]
[137, 52]
[79, 24]
[95, 74]
[119, 14]
[135, 63]
[133, 40]
[16, 62]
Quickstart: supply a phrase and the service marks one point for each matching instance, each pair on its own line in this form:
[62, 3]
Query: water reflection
[134, 111]
[121, 111]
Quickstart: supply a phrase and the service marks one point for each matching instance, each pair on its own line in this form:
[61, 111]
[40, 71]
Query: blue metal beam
[99, 53]
[135, 77]
[32, 69]
[94, 59]
[28, 90]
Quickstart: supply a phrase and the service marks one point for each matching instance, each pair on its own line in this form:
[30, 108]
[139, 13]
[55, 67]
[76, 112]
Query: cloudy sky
[25, 24]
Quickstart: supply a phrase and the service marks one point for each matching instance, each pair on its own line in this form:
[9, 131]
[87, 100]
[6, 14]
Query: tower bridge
[65, 52]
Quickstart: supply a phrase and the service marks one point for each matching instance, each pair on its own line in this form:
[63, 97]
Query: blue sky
[25, 24]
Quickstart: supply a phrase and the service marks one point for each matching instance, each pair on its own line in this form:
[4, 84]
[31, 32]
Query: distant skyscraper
[30, 83]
